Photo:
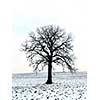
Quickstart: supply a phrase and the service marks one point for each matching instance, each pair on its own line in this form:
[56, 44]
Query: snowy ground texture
[65, 86]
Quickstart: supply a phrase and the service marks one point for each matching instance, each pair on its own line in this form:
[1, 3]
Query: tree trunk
[49, 80]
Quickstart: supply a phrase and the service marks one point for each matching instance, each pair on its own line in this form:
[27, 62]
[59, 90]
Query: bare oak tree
[47, 46]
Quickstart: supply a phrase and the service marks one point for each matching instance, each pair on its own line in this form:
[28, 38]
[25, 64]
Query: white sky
[69, 14]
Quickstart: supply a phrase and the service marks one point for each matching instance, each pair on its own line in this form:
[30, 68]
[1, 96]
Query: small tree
[49, 45]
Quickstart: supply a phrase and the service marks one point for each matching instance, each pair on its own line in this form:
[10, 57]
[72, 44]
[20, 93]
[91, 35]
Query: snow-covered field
[65, 86]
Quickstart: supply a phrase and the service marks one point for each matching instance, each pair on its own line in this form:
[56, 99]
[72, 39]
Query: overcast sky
[68, 14]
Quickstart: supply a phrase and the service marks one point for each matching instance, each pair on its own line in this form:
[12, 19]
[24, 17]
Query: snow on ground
[65, 87]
